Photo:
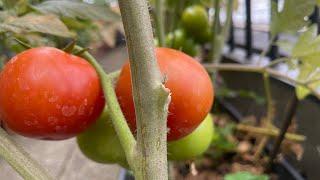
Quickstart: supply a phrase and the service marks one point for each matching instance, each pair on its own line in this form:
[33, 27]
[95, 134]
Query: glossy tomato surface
[191, 92]
[194, 144]
[46, 93]
[100, 142]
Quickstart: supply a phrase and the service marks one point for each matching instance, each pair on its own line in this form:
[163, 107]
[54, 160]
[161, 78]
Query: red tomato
[46, 93]
[191, 92]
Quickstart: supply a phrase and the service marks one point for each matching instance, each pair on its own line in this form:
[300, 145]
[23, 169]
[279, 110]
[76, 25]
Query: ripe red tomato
[191, 92]
[46, 93]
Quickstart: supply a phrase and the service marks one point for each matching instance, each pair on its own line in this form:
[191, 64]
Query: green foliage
[48, 24]
[292, 16]
[307, 50]
[52, 23]
[230, 93]
[245, 176]
[80, 10]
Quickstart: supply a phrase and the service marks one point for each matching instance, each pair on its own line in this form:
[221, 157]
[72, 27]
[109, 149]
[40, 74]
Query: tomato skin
[48, 94]
[194, 144]
[100, 142]
[191, 92]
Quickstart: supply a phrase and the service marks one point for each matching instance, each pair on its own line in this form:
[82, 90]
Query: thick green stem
[220, 34]
[159, 8]
[151, 98]
[21, 160]
[215, 43]
[119, 123]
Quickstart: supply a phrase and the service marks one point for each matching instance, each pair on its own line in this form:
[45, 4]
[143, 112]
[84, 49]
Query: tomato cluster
[47, 93]
[193, 28]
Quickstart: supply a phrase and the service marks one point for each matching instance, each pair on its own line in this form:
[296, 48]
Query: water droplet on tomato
[68, 110]
[53, 99]
[52, 120]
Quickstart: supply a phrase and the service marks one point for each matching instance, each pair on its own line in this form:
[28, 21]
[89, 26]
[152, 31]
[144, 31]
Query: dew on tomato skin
[57, 128]
[91, 111]
[52, 120]
[81, 110]
[68, 110]
[58, 106]
[53, 99]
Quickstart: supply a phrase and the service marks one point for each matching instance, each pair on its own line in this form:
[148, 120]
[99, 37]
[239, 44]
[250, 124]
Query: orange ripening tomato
[46, 93]
[191, 92]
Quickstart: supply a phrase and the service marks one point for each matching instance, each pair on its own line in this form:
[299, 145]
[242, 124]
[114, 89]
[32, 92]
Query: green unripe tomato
[191, 48]
[195, 19]
[179, 40]
[100, 143]
[203, 36]
[194, 144]
[176, 39]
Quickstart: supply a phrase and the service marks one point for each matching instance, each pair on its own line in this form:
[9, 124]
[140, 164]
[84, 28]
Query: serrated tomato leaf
[48, 24]
[292, 17]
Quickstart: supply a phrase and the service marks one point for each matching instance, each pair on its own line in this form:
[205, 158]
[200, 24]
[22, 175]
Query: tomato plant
[49, 94]
[191, 92]
[194, 144]
[100, 142]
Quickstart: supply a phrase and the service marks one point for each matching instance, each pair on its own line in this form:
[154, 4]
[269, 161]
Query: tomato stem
[159, 17]
[120, 125]
[151, 98]
[261, 70]
[20, 160]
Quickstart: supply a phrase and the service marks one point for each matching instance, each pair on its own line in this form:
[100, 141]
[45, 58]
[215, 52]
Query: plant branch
[151, 98]
[20, 160]
[269, 132]
[159, 16]
[259, 69]
[119, 123]
[215, 43]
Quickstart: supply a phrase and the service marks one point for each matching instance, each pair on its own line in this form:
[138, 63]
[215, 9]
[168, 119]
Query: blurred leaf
[230, 93]
[318, 2]
[7, 4]
[48, 24]
[308, 43]
[292, 16]
[2, 59]
[286, 45]
[307, 50]
[80, 10]
[109, 31]
[245, 176]
[308, 72]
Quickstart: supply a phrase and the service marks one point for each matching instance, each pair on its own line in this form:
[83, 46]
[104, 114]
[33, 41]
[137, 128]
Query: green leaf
[80, 10]
[245, 176]
[308, 72]
[48, 24]
[307, 44]
[318, 2]
[292, 16]
[2, 59]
